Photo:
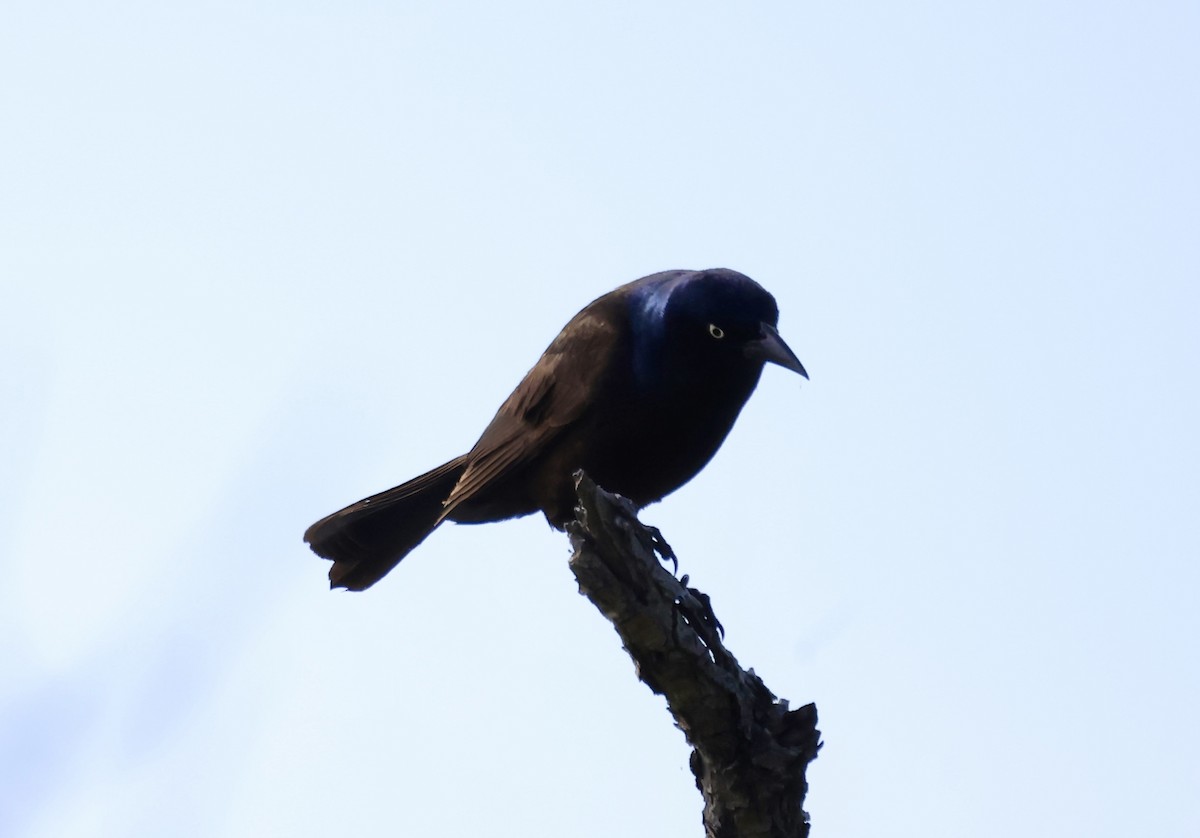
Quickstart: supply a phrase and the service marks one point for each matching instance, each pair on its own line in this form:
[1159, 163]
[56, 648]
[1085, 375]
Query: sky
[259, 260]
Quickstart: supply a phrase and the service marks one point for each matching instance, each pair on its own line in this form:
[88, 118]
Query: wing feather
[554, 395]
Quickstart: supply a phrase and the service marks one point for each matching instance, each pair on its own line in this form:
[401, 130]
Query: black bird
[638, 390]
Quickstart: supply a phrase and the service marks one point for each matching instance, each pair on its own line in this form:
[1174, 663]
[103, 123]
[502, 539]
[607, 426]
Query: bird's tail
[367, 539]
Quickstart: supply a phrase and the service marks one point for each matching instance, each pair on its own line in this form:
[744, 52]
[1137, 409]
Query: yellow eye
[716, 331]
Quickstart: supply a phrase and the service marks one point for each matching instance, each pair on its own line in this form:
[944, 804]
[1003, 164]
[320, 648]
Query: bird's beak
[771, 348]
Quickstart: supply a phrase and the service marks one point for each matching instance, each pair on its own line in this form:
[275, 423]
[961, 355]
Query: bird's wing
[553, 395]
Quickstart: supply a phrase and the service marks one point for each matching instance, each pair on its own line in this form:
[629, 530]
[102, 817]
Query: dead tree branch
[750, 752]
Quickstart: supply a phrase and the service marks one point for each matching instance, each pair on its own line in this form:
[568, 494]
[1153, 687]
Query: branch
[750, 751]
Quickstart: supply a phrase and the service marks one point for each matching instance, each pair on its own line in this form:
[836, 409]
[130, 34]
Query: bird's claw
[661, 547]
[697, 609]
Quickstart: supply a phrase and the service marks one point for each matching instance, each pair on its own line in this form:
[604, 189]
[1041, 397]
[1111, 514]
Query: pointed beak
[771, 349]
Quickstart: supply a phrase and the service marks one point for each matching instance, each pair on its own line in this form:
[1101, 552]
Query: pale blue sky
[258, 260]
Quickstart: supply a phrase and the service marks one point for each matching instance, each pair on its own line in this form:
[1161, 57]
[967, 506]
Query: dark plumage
[638, 390]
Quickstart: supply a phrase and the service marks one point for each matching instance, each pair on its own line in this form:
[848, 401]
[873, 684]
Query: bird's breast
[655, 445]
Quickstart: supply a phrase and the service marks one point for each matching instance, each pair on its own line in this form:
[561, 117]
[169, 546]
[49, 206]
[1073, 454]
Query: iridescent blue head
[701, 328]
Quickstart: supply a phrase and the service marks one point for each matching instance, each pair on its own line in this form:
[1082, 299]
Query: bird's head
[711, 323]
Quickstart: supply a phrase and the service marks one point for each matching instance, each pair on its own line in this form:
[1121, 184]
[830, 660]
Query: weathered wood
[750, 752]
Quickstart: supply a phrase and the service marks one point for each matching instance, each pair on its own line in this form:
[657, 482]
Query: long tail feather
[367, 539]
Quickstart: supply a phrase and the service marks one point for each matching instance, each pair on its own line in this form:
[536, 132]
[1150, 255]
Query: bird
[638, 390]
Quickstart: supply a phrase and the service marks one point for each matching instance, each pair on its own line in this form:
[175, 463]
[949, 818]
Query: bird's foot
[696, 609]
[660, 546]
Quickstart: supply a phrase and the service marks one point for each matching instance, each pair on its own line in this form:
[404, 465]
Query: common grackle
[638, 390]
